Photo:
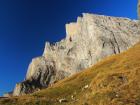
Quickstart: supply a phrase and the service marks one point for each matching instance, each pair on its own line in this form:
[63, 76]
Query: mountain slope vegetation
[114, 80]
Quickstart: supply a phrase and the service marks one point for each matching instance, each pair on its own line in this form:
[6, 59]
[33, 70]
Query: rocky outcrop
[41, 73]
[89, 40]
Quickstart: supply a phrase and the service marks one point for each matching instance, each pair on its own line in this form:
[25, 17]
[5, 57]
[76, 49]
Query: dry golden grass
[113, 81]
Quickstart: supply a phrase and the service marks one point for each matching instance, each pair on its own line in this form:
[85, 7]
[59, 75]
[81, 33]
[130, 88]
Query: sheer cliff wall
[88, 41]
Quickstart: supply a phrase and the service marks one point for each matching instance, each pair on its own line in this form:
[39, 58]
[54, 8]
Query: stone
[86, 87]
[72, 97]
[62, 100]
[89, 40]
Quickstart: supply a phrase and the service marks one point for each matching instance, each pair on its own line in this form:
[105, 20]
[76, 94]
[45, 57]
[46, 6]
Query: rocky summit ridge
[90, 39]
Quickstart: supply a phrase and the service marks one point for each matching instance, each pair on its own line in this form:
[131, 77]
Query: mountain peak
[90, 39]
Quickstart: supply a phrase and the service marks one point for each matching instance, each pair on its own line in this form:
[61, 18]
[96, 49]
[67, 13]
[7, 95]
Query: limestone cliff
[88, 40]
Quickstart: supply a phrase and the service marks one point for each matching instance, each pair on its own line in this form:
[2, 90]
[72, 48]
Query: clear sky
[25, 26]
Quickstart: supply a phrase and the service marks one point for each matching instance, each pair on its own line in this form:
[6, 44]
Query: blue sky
[25, 26]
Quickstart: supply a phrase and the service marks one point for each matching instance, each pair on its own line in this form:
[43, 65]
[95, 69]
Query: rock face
[89, 40]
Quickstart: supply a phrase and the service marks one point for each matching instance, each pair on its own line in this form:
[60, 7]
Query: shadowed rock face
[89, 40]
[40, 74]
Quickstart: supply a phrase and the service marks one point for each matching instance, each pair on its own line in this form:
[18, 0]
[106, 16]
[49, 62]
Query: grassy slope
[113, 81]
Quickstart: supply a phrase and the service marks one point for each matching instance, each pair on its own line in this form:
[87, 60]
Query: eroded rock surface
[89, 40]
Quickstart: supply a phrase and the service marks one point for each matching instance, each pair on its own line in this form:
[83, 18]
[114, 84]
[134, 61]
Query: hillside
[113, 81]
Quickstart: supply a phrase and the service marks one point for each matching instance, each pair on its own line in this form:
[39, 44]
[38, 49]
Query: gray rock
[39, 75]
[63, 100]
[89, 40]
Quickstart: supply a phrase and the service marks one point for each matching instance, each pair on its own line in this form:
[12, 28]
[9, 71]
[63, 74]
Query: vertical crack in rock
[114, 38]
[118, 48]
[114, 50]
[103, 45]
